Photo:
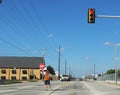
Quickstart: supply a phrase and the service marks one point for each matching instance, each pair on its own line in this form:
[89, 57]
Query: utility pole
[59, 63]
[116, 62]
[94, 71]
[115, 58]
[65, 67]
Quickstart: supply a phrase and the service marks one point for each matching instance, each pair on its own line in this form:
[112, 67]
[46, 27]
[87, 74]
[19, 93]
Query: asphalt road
[73, 88]
[37, 88]
[89, 88]
[27, 88]
[60, 88]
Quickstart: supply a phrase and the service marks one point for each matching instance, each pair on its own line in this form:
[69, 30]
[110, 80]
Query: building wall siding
[20, 73]
[14, 75]
[6, 74]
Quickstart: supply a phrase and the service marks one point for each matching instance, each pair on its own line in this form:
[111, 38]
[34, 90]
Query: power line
[44, 26]
[27, 23]
[6, 21]
[11, 44]
[18, 22]
[24, 22]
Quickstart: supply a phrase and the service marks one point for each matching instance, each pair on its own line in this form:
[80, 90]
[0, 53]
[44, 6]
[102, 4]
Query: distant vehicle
[64, 78]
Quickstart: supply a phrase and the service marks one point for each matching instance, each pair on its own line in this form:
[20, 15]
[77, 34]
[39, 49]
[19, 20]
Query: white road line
[91, 89]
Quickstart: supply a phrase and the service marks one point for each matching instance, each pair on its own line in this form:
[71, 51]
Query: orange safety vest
[47, 76]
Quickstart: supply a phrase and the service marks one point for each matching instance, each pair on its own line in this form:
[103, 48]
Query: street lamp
[116, 58]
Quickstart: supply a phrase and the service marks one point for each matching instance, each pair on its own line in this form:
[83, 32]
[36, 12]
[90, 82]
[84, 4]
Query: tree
[99, 75]
[51, 70]
[111, 71]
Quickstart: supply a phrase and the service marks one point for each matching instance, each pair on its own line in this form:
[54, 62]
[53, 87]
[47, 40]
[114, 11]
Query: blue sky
[28, 26]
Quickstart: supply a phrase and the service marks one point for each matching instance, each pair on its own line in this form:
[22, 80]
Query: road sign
[42, 66]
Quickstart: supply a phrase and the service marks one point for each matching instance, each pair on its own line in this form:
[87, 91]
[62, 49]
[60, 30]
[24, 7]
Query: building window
[13, 77]
[3, 71]
[24, 78]
[3, 78]
[14, 72]
[24, 71]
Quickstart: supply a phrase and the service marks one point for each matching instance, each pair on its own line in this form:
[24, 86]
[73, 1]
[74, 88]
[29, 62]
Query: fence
[108, 77]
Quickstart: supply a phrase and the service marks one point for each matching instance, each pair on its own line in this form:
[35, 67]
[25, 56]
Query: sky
[33, 28]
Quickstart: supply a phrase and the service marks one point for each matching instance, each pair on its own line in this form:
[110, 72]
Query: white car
[64, 78]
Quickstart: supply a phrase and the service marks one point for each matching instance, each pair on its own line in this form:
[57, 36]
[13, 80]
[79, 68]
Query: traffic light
[0, 1]
[91, 15]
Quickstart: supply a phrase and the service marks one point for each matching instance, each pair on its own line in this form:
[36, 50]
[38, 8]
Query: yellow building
[20, 68]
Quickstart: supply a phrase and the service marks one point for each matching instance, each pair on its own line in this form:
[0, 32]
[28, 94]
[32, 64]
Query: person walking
[47, 80]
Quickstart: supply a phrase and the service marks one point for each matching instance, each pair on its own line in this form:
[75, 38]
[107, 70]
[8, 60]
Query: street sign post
[42, 66]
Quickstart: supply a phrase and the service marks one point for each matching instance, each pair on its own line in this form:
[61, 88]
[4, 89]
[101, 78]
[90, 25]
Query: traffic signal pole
[116, 47]
[93, 21]
[92, 16]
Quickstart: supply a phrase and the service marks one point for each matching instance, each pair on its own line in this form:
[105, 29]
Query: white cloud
[87, 58]
[34, 51]
[107, 43]
[50, 35]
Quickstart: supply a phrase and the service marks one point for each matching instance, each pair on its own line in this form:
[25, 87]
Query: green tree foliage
[99, 75]
[51, 70]
[111, 71]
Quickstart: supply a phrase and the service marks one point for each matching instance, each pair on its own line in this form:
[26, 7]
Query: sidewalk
[111, 82]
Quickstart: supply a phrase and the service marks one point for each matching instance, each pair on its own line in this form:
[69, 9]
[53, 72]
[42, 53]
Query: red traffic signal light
[91, 15]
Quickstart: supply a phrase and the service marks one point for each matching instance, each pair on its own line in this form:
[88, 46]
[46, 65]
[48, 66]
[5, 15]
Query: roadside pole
[94, 71]
[115, 46]
[59, 63]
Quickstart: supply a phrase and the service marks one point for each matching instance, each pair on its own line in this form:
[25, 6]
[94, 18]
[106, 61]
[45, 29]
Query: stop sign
[42, 66]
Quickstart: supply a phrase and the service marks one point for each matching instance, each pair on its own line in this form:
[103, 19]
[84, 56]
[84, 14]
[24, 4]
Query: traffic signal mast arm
[107, 16]
[92, 16]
